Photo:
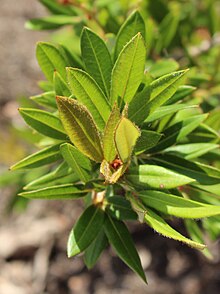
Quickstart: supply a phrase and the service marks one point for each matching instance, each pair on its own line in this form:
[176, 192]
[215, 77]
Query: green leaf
[63, 174]
[40, 158]
[128, 71]
[120, 208]
[177, 206]
[72, 58]
[133, 25]
[97, 59]
[85, 230]
[80, 128]
[44, 122]
[120, 238]
[58, 8]
[190, 151]
[51, 22]
[77, 161]
[159, 225]
[60, 86]
[167, 110]
[163, 67]
[67, 191]
[126, 135]
[156, 177]
[93, 252]
[108, 137]
[50, 60]
[147, 140]
[85, 89]
[47, 99]
[182, 92]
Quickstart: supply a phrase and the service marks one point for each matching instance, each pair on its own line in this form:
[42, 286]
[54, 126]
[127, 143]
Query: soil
[33, 243]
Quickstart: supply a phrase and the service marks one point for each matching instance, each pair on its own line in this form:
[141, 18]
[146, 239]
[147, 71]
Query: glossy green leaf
[67, 191]
[120, 208]
[77, 161]
[134, 24]
[126, 135]
[63, 174]
[129, 70]
[50, 59]
[177, 206]
[51, 22]
[80, 127]
[156, 177]
[40, 158]
[86, 90]
[162, 227]
[60, 86]
[94, 251]
[44, 122]
[85, 230]
[120, 238]
[147, 140]
[109, 132]
[97, 59]
[47, 99]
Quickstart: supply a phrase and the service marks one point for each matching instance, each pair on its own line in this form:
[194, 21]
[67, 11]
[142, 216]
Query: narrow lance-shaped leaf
[147, 140]
[156, 177]
[108, 137]
[93, 252]
[133, 25]
[86, 90]
[128, 71]
[80, 127]
[67, 191]
[177, 206]
[85, 230]
[97, 59]
[47, 99]
[40, 158]
[50, 59]
[60, 86]
[126, 135]
[162, 227]
[77, 161]
[44, 122]
[120, 238]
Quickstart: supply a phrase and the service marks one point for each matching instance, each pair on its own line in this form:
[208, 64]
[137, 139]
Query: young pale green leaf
[94, 251]
[85, 230]
[156, 177]
[97, 59]
[77, 161]
[40, 158]
[47, 99]
[128, 71]
[44, 122]
[163, 67]
[179, 131]
[63, 174]
[67, 191]
[167, 110]
[60, 86]
[188, 168]
[126, 135]
[120, 238]
[190, 151]
[108, 137]
[86, 90]
[147, 140]
[50, 59]
[162, 227]
[51, 22]
[80, 127]
[133, 25]
[120, 208]
[182, 92]
[177, 206]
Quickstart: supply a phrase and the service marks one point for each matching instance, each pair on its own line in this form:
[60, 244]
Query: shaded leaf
[60, 86]
[147, 140]
[47, 99]
[120, 208]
